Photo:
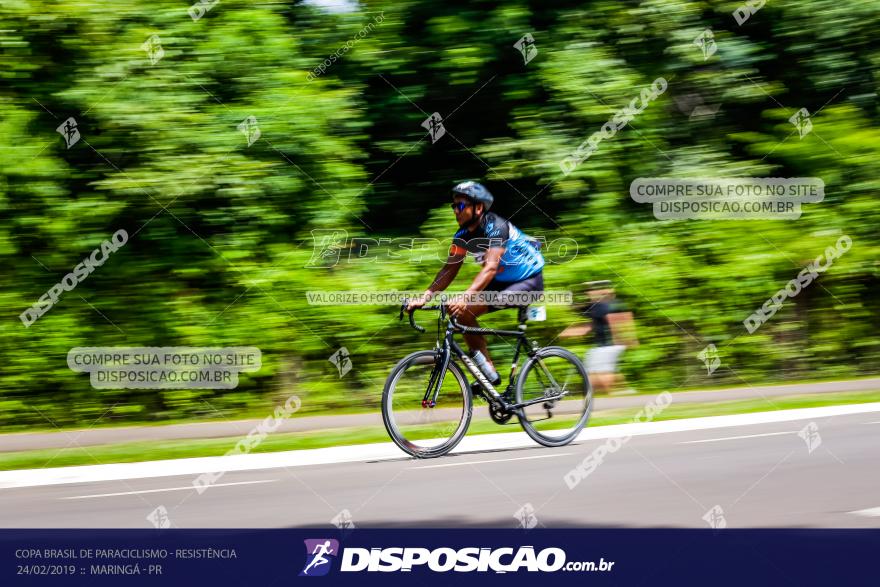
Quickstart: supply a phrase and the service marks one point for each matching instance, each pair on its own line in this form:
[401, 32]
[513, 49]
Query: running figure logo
[810, 435]
[709, 356]
[434, 125]
[250, 129]
[328, 246]
[70, 131]
[706, 42]
[317, 551]
[159, 517]
[527, 48]
[801, 121]
[715, 518]
[526, 516]
[342, 359]
[153, 47]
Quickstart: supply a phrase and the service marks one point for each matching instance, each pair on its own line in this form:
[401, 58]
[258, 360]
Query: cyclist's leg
[515, 292]
[519, 293]
[475, 342]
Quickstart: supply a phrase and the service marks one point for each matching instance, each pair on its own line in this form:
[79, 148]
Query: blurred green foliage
[220, 231]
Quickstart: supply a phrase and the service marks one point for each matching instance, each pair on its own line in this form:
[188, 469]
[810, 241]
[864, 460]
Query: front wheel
[560, 379]
[424, 431]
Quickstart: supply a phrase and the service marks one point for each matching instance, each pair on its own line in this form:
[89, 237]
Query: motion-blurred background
[220, 232]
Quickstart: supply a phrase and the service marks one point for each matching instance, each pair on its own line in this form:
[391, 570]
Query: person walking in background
[613, 330]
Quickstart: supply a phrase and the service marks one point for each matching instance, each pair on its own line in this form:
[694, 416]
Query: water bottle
[487, 370]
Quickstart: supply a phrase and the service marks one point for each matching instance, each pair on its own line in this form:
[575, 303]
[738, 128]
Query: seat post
[522, 316]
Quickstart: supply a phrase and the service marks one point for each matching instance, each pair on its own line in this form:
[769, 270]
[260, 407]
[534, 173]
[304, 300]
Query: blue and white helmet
[476, 192]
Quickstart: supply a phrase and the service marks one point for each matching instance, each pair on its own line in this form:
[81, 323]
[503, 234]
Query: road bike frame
[449, 347]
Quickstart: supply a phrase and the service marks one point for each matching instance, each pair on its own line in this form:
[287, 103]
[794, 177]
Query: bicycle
[427, 403]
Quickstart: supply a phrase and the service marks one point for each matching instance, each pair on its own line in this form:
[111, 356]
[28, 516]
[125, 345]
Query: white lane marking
[877, 422]
[562, 454]
[870, 512]
[165, 489]
[735, 437]
[387, 451]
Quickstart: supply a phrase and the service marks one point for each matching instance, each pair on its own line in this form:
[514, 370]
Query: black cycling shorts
[533, 284]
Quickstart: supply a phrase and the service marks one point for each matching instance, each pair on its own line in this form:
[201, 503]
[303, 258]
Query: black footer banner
[362, 557]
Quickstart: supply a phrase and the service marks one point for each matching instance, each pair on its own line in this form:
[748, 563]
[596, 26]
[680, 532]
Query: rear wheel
[557, 376]
[425, 431]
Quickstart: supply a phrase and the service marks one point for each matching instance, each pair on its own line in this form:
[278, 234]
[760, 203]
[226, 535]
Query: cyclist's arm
[489, 270]
[447, 273]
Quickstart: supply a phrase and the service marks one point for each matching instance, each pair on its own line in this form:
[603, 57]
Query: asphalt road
[761, 475]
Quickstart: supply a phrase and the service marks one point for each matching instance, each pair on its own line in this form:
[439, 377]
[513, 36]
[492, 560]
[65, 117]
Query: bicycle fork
[441, 363]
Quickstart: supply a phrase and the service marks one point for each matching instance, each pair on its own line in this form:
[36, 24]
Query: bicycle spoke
[547, 372]
[559, 377]
[418, 425]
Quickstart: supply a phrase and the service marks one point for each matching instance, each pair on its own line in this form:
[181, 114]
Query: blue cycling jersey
[521, 258]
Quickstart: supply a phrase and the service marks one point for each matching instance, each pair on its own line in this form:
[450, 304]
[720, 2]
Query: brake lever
[453, 321]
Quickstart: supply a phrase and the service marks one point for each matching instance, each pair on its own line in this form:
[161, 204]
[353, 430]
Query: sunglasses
[459, 206]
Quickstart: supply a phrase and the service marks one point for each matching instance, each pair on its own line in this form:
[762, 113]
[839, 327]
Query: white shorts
[603, 359]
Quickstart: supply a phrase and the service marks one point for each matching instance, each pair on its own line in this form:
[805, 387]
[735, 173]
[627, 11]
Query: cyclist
[511, 263]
